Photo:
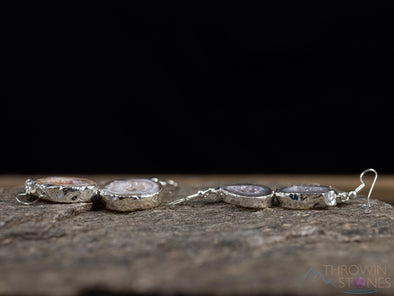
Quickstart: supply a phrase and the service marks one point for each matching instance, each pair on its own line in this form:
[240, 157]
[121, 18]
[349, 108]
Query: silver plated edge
[307, 200]
[128, 203]
[62, 193]
[259, 201]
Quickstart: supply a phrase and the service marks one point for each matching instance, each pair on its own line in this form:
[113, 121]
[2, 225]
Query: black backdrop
[123, 87]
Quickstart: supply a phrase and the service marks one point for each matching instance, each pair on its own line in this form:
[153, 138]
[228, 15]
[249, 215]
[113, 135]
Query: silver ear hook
[353, 194]
[199, 193]
[363, 184]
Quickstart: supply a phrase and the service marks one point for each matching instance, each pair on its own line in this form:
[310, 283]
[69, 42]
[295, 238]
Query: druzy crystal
[64, 181]
[306, 189]
[248, 190]
[132, 187]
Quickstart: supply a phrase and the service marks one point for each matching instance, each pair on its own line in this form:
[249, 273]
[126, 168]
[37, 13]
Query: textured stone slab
[200, 247]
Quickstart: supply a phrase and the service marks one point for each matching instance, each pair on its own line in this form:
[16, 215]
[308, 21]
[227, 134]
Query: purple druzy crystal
[305, 189]
[248, 190]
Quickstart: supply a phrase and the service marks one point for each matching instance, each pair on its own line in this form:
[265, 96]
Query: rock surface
[201, 247]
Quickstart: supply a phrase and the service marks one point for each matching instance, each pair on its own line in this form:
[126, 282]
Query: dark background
[202, 87]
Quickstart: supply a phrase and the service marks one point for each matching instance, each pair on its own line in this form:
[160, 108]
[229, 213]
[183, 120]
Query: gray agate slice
[131, 194]
[306, 196]
[249, 196]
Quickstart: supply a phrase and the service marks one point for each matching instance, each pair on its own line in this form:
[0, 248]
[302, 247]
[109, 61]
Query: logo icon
[312, 276]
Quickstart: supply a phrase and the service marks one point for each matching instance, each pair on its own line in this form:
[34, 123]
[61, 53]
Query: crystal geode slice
[62, 189]
[132, 194]
[249, 196]
[306, 189]
[132, 187]
[61, 181]
[306, 196]
[248, 190]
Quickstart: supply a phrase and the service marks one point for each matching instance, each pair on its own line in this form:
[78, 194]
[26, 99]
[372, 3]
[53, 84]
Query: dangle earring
[319, 196]
[58, 189]
[244, 195]
[118, 195]
[290, 197]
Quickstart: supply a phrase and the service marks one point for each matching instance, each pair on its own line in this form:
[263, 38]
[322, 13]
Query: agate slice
[306, 196]
[62, 189]
[248, 190]
[306, 189]
[132, 194]
[249, 196]
[65, 181]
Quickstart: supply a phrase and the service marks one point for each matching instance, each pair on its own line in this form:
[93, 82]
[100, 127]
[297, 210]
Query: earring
[319, 196]
[290, 197]
[248, 196]
[134, 194]
[59, 189]
[119, 195]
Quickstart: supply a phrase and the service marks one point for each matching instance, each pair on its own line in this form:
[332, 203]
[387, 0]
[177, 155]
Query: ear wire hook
[373, 183]
[199, 193]
[362, 185]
